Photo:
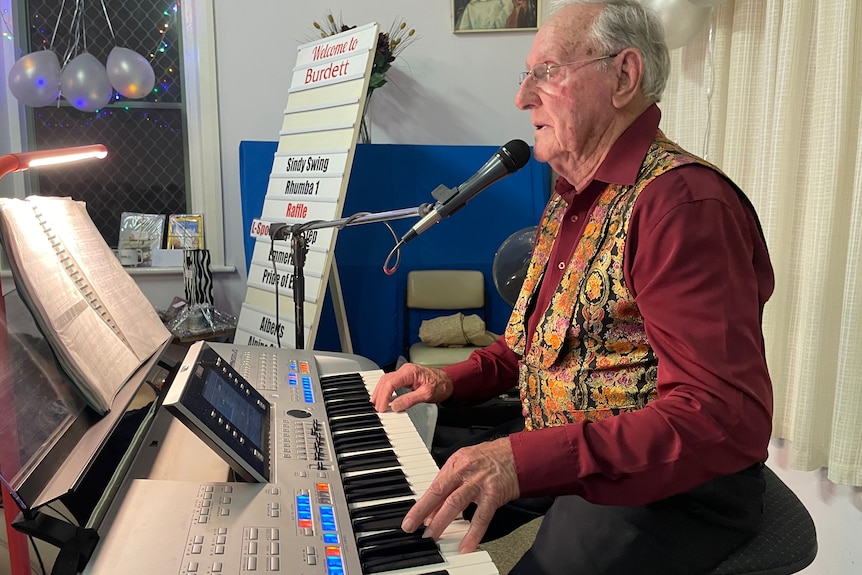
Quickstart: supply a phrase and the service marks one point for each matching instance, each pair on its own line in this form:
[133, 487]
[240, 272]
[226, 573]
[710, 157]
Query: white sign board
[309, 178]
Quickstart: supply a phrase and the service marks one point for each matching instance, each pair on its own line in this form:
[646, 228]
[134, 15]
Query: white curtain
[770, 92]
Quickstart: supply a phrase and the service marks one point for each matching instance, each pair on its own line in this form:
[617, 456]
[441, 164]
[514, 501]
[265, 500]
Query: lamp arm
[9, 164]
[39, 158]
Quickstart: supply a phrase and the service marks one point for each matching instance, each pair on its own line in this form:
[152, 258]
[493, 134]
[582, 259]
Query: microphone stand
[299, 249]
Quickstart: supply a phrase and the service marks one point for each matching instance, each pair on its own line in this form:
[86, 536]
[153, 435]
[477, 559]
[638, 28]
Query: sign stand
[340, 310]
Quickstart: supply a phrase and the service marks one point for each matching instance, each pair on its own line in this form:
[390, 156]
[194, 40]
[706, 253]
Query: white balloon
[682, 20]
[84, 83]
[35, 78]
[130, 73]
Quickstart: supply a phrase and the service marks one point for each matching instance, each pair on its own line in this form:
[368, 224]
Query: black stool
[787, 542]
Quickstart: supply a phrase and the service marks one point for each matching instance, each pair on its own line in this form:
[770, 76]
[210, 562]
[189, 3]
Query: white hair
[629, 24]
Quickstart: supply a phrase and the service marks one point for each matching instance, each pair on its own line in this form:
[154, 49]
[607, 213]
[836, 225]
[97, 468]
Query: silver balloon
[511, 261]
[84, 83]
[682, 20]
[130, 73]
[35, 78]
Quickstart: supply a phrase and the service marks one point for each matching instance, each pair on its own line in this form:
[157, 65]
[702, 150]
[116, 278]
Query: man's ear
[629, 68]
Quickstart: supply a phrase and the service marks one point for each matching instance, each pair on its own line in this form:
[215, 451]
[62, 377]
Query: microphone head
[514, 155]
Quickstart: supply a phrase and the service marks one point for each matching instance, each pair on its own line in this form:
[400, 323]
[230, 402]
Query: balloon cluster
[682, 19]
[36, 79]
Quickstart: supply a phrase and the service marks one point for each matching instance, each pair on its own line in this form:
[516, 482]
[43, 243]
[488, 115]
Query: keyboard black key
[404, 561]
[375, 478]
[337, 424]
[366, 461]
[344, 442]
[364, 445]
[395, 548]
[358, 494]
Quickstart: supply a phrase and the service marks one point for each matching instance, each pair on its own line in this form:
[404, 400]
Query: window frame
[200, 102]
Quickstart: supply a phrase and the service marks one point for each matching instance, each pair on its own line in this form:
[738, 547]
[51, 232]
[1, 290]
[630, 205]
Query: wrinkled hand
[429, 385]
[483, 474]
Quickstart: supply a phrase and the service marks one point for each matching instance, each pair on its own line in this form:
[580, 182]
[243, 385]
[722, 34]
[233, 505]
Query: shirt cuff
[544, 461]
[461, 371]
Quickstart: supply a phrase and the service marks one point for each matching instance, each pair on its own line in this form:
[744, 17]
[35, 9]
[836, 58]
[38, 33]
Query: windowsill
[150, 271]
[5, 273]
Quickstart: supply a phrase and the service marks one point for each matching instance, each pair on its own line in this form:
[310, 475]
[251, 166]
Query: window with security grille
[145, 171]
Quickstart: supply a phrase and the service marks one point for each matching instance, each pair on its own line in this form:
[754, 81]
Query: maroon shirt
[699, 270]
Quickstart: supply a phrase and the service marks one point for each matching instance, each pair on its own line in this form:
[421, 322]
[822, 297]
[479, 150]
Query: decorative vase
[198, 277]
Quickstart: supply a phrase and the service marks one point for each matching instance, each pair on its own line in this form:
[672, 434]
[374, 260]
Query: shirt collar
[624, 159]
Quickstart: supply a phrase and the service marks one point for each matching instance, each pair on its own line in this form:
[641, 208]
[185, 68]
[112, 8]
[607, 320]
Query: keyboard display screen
[227, 400]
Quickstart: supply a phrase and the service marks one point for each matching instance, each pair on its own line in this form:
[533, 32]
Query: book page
[99, 323]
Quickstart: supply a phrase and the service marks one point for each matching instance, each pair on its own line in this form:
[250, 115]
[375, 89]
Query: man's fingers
[448, 512]
[427, 510]
[407, 400]
[383, 392]
[381, 404]
[442, 514]
[479, 524]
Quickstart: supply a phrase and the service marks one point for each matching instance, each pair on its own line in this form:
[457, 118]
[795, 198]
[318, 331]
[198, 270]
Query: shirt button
[561, 265]
[575, 218]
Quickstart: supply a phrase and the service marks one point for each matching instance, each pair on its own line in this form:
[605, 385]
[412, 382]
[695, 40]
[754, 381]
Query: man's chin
[540, 151]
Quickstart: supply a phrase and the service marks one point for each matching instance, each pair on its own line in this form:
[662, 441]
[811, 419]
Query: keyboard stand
[76, 543]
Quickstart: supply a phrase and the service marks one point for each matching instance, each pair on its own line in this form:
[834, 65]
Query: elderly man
[636, 339]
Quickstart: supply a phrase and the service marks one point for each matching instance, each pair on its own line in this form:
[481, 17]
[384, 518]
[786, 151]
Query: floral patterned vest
[589, 358]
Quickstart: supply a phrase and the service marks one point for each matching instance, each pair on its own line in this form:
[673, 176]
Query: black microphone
[507, 160]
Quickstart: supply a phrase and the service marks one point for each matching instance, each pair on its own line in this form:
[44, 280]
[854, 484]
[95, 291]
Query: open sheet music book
[98, 322]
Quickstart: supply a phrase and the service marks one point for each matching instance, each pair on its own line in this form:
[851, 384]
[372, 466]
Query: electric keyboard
[341, 479]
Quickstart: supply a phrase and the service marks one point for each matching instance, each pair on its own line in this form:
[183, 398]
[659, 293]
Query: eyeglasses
[541, 72]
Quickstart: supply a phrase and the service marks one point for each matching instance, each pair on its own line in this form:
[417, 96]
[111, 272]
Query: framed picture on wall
[495, 15]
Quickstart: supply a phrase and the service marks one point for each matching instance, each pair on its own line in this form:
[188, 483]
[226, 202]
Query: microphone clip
[443, 194]
[279, 231]
[424, 209]
[282, 231]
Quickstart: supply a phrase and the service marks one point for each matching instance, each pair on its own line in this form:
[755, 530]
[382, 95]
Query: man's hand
[429, 385]
[483, 474]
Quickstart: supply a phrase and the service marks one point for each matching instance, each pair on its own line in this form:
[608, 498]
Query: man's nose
[525, 97]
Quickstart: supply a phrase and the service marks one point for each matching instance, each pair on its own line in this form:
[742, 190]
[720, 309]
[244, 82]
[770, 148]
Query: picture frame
[495, 15]
[144, 232]
[185, 232]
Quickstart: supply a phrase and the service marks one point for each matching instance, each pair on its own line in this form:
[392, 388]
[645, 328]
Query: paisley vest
[589, 358]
